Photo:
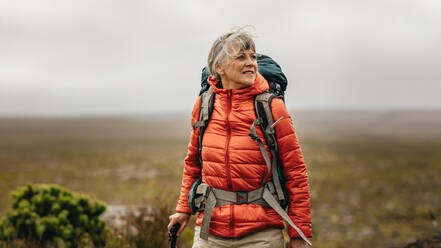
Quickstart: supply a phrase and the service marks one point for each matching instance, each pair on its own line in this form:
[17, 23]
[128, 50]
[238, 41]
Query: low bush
[51, 216]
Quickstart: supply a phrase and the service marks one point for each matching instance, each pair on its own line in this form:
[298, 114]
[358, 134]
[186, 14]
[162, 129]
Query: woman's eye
[253, 57]
[240, 57]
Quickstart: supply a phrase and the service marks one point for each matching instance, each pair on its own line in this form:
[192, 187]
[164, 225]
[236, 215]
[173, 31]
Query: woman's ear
[219, 69]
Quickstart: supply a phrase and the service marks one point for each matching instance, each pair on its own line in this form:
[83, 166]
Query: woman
[232, 161]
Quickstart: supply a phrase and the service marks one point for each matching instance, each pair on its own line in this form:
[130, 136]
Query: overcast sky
[79, 57]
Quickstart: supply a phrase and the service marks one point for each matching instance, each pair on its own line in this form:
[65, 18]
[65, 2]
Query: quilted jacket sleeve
[294, 170]
[192, 169]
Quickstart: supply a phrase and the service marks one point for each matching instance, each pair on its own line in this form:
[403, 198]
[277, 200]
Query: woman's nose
[249, 60]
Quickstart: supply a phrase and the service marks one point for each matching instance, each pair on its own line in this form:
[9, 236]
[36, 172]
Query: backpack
[199, 194]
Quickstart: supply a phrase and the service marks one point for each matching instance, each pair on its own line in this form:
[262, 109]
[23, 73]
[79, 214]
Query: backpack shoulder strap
[207, 103]
[262, 107]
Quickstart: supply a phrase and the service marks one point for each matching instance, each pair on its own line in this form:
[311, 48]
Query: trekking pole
[174, 230]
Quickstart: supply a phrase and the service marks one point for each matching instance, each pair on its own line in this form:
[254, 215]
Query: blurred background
[96, 96]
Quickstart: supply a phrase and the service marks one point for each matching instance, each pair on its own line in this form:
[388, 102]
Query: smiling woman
[239, 71]
[228, 175]
[233, 59]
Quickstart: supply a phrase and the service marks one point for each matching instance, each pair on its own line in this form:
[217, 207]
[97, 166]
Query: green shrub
[48, 215]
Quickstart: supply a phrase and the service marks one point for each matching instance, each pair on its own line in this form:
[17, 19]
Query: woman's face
[239, 70]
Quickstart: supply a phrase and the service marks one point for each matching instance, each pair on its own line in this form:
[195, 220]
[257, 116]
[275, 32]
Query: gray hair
[222, 47]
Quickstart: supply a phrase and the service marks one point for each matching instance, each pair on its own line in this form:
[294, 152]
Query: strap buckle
[203, 189]
[253, 136]
[252, 132]
[241, 197]
[199, 124]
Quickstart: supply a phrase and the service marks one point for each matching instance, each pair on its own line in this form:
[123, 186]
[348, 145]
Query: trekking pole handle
[174, 230]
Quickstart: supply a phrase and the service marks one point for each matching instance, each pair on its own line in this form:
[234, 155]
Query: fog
[135, 57]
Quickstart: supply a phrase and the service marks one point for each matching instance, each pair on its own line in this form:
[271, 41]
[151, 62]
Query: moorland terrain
[375, 176]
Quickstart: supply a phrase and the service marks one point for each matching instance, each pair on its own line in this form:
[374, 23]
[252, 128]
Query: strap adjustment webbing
[253, 135]
[206, 108]
[272, 166]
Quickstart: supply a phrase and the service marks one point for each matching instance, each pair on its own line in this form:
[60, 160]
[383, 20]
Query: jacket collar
[260, 85]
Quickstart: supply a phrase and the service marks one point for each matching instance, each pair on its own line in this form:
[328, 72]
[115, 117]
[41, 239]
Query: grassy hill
[374, 175]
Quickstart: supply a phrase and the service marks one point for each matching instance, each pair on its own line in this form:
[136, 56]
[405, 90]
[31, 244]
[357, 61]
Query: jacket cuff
[185, 210]
[306, 229]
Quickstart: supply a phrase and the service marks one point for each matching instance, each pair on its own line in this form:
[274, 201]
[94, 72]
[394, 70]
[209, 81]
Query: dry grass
[374, 176]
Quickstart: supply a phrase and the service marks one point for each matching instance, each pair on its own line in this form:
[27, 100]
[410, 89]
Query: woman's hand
[181, 218]
[297, 243]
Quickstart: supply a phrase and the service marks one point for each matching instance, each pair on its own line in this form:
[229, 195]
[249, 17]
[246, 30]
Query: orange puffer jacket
[232, 161]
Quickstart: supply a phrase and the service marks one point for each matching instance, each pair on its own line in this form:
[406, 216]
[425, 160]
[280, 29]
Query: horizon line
[182, 112]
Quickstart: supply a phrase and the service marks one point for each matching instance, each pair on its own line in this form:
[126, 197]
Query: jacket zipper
[227, 158]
